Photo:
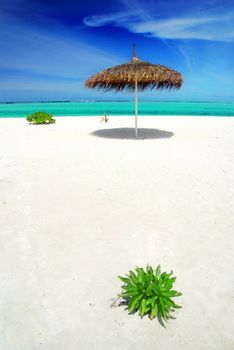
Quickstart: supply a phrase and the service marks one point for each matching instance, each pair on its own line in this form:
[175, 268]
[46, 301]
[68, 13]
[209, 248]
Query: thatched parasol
[136, 75]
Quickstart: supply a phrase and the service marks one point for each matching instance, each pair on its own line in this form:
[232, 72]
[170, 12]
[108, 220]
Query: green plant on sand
[40, 118]
[149, 292]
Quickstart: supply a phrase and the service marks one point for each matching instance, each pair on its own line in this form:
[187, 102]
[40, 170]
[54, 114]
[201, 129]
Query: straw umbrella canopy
[136, 75]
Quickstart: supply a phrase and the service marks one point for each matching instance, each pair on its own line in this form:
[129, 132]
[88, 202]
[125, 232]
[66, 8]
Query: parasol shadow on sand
[136, 76]
[127, 133]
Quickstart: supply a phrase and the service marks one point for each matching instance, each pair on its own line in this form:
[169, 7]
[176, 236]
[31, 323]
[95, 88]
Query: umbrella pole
[136, 107]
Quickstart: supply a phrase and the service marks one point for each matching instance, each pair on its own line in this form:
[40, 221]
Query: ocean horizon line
[113, 101]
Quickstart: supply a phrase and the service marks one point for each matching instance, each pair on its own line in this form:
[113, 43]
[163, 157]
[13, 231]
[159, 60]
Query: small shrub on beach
[149, 292]
[40, 118]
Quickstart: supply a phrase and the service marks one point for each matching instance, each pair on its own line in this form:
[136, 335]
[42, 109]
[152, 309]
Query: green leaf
[133, 277]
[131, 291]
[141, 274]
[170, 283]
[162, 302]
[124, 279]
[150, 302]
[143, 307]
[131, 294]
[165, 276]
[171, 293]
[132, 304]
[159, 282]
[130, 287]
[149, 270]
[149, 291]
[161, 311]
[173, 304]
[158, 271]
[135, 302]
[154, 312]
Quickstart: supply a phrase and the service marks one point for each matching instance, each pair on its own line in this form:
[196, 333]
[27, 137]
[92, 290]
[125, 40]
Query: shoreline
[128, 116]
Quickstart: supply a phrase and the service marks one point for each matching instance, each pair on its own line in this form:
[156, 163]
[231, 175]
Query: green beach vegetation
[40, 118]
[150, 292]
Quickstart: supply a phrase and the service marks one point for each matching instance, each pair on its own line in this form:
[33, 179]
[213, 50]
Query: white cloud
[205, 28]
[215, 27]
[102, 20]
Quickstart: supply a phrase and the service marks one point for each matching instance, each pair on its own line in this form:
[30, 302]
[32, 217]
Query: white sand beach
[82, 202]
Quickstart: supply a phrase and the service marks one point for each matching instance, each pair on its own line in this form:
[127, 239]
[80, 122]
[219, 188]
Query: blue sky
[48, 48]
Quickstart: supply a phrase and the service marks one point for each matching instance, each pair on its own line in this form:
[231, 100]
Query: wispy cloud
[46, 52]
[115, 18]
[214, 27]
[217, 27]
[188, 59]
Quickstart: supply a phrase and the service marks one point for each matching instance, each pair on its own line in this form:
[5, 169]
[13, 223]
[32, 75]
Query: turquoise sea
[9, 110]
